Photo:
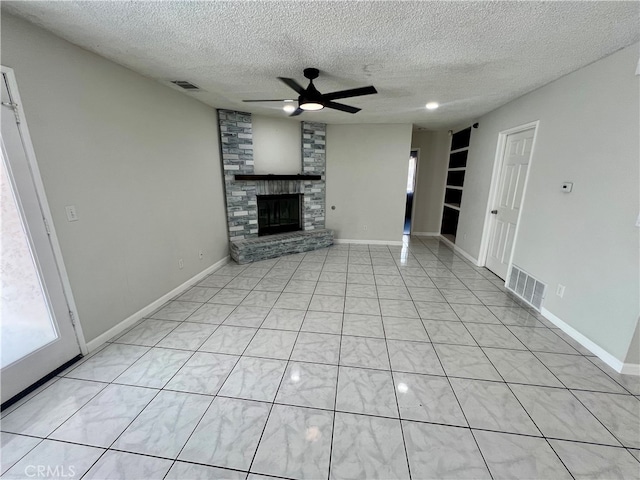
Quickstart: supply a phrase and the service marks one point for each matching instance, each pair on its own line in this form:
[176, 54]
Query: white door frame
[495, 187]
[415, 187]
[44, 205]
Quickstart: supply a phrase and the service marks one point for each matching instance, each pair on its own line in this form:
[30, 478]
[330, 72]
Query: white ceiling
[470, 56]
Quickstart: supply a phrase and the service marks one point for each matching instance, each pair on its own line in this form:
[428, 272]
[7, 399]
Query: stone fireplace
[261, 209]
[242, 186]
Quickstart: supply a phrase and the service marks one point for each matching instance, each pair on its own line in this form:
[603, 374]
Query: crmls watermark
[50, 471]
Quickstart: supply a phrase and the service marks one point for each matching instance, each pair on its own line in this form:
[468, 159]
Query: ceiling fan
[311, 99]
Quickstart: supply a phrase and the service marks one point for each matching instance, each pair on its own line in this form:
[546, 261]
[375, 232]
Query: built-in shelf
[456, 171]
[459, 150]
[278, 177]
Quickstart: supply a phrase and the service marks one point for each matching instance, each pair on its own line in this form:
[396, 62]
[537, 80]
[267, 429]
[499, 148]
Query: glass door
[411, 186]
[36, 331]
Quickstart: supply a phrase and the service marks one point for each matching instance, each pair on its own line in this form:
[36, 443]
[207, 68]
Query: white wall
[367, 167]
[138, 160]
[432, 173]
[277, 146]
[585, 240]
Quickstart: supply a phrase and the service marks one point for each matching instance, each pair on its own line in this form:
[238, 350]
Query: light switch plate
[72, 215]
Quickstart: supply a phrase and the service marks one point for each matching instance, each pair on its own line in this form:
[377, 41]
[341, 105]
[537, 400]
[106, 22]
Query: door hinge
[46, 226]
[14, 107]
[73, 318]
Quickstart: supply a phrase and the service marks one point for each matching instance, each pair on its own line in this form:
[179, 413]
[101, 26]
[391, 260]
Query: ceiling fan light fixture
[311, 106]
[432, 105]
[310, 99]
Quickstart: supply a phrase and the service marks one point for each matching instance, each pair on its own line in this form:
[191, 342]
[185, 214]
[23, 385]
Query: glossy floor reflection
[356, 361]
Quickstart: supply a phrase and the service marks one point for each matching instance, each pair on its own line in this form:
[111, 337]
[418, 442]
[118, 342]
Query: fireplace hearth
[278, 213]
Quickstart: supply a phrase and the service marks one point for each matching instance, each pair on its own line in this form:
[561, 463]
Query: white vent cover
[185, 84]
[526, 287]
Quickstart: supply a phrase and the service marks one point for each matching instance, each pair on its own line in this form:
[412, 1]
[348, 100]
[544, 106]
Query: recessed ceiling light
[289, 107]
[432, 105]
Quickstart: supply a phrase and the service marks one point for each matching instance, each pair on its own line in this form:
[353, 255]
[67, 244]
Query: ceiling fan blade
[342, 107]
[291, 83]
[354, 92]
[297, 112]
[270, 100]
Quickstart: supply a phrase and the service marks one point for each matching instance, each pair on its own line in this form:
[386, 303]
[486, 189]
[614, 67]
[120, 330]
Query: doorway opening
[411, 186]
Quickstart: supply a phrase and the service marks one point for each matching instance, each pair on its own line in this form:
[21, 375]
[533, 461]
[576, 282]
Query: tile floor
[358, 361]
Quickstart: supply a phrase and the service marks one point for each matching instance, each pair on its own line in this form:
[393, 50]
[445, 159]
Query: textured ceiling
[470, 56]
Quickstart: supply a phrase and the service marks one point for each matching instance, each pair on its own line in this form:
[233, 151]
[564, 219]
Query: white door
[515, 166]
[37, 334]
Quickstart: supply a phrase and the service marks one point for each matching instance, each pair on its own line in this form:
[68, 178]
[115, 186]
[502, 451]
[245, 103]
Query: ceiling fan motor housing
[311, 73]
[311, 94]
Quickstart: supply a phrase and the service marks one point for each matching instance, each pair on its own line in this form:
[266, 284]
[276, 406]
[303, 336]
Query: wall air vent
[184, 84]
[526, 287]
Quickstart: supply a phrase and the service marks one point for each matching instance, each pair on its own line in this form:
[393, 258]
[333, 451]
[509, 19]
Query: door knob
[494, 212]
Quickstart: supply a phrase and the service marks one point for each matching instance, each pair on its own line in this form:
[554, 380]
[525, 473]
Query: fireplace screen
[278, 214]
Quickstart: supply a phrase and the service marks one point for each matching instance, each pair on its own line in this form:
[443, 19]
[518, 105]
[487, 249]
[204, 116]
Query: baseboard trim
[460, 251]
[466, 255]
[618, 365]
[631, 369]
[425, 234]
[447, 242]
[368, 242]
[140, 314]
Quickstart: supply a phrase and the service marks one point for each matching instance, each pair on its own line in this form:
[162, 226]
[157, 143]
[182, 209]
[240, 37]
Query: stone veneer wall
[236, 143]
[314, 161]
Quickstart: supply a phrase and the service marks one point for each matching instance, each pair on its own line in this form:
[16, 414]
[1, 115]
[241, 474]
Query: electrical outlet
[180, 264]
[200, 254]
[560, 290]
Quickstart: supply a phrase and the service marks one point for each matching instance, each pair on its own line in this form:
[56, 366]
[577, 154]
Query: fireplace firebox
[278, 213]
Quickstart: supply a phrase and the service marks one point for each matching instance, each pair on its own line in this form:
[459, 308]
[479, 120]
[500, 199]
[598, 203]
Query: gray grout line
[467, 427]
[558, 456]
[522, 406]
[444, 261]
[335, 397]
[222, 385]
[154, 397]
[365, 368]
[463, 412]
[275, 395]
[393, 384]
[527, 412]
